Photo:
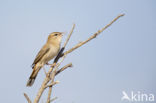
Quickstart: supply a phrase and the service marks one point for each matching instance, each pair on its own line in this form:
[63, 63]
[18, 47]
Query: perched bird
[48, 52]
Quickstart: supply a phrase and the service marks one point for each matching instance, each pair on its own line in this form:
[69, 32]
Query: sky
[122, 58]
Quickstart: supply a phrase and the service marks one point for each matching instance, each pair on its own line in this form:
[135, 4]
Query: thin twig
[63, 68]
[45, 71]
[26, 96]
[51, 84]
[53, 99]
[69, 36]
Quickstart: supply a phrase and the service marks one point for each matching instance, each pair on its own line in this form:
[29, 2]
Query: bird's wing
[40, 54]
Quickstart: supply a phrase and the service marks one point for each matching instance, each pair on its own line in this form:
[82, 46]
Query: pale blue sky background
[122, 58]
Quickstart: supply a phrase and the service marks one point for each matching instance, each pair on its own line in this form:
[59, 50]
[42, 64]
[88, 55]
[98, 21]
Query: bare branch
[93, 36]
[26, 96]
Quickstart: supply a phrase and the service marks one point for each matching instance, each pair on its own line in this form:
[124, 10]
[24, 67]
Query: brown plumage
[48, 52]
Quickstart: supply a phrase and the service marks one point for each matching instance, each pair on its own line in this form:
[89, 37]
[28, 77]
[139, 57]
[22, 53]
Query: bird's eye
[56, 34]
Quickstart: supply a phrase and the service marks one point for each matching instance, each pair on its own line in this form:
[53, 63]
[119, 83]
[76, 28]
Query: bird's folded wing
[40, 54]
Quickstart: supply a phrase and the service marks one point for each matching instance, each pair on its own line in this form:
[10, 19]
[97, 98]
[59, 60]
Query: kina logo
[137, 97]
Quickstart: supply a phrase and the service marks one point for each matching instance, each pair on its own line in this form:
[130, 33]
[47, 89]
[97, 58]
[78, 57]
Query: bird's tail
[33, 76]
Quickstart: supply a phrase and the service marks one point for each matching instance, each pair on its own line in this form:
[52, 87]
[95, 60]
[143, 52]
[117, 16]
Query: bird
[47, 52]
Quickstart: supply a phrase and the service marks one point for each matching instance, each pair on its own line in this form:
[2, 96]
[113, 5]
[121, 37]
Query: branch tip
[27, 98]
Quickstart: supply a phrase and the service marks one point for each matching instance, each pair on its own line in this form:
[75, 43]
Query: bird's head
[55, 37]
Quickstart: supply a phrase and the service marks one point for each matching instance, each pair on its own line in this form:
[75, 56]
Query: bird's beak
[63, 33]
